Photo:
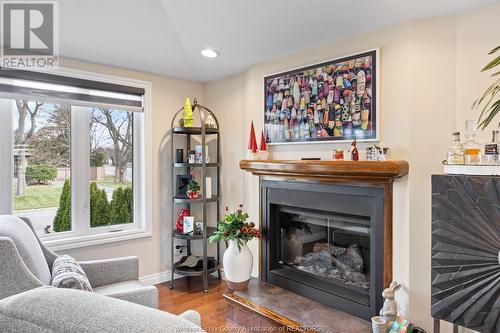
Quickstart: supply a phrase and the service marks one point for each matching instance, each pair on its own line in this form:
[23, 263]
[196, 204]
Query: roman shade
[52, 88]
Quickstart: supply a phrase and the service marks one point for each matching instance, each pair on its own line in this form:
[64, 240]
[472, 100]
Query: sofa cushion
[27, 245]
[67, 273]
[49, 309]
[120, 287]
[132, 291]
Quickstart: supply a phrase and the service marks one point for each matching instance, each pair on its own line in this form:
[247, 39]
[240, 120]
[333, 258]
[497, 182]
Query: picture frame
[323, 102]
[181, 186]
[188, 224]
[198, 228]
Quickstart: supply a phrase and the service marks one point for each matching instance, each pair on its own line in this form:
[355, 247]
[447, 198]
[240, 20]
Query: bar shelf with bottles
[472, 157]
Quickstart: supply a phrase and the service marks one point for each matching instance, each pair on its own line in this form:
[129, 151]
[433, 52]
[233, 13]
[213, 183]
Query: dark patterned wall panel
[465, 251]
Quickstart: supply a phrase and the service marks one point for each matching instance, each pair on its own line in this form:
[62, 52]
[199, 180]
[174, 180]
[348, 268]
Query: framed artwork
[188, 224]
[332, 101]
[181, 186]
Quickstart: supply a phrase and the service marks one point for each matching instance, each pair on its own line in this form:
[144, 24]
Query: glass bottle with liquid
[472, 149]
[456, 152]
[492, 149]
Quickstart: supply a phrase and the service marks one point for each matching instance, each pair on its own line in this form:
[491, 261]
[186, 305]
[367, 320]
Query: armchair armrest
[15, 277]
[109, 271]
[146, 295]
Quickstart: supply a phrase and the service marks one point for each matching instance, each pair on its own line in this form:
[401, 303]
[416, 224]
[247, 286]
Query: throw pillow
[67, 273]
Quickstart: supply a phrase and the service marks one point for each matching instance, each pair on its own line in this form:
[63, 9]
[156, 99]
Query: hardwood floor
[188, 294]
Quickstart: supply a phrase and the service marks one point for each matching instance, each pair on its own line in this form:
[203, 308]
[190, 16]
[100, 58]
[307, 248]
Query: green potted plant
[238, 259]
[489, 102]
[192, 189]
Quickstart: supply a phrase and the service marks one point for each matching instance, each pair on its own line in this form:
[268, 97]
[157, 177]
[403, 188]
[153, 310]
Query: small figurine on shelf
[353, 150]
[389, 310]
[192, 156]
[188, 113]
[264, 154]
[376, 153]
[210, 121]
[192, 189]
[338, 154]
[252, 145]
[198, 228]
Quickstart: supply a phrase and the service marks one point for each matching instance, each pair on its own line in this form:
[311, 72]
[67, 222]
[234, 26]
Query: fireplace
[325, 241]
[327, 229]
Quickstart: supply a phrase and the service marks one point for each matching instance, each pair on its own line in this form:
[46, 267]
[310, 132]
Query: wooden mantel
[360, 173]
[330, 171]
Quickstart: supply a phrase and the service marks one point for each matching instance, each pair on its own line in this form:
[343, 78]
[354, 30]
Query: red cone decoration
[263, 146]
[252, 143]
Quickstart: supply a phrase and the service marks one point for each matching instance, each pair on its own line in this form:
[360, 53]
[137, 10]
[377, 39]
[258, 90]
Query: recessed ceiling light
[209, 53]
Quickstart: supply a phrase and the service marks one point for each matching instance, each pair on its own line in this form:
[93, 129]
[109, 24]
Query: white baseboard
[165, 276]
[157, 278]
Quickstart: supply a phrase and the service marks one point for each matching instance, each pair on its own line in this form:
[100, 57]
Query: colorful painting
[332, 101]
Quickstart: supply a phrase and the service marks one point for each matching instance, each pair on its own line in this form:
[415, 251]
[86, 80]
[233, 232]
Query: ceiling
[165, 36]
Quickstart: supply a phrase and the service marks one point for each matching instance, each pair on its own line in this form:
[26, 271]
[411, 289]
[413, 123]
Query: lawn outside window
[77, 170]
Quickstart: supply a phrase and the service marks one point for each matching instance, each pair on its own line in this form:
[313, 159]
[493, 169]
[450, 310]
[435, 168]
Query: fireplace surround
[315, 262]
[327, 229]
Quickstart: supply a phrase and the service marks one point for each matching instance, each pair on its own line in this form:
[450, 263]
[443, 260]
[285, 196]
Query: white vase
[379, 325]
[237, 266]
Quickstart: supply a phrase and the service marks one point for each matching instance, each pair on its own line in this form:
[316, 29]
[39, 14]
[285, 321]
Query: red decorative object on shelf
[354, 151]
[179, 224]
[263, 145]
[252, 144]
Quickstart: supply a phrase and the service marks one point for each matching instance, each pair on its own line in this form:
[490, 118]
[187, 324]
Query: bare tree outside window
[21, 138]
[42, 165]
[111, 155]
[118, 138]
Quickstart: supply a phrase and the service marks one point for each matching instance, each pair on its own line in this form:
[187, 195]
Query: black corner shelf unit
[203, 133]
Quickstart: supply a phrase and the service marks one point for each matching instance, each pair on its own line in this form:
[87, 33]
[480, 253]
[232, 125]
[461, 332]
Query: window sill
[91, 240]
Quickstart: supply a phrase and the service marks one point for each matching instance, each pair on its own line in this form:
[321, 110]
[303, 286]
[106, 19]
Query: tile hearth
[282, 307]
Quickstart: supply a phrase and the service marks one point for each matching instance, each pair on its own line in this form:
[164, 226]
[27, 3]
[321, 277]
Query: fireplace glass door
[324, 247]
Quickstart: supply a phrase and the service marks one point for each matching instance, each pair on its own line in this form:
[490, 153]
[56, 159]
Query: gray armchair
[58, 310]
[26, 264]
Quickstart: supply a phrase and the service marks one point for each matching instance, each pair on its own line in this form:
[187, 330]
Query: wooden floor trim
[269, 314]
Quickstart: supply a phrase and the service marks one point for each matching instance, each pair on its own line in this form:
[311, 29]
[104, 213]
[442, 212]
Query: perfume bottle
[491, 149]
[456, 152]
[471, 147]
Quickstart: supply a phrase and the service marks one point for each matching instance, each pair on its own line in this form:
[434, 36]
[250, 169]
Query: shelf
[187, 200]
[328, 171]
[179, 235]
[195, 165]
[475, 170]
[194, 130]
[194, 271]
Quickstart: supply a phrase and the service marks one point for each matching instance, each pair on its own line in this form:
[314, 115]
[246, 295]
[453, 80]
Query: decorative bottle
[456, 152]
[491, 149]
[471, 147]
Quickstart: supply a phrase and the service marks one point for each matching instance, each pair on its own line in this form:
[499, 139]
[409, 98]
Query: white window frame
[82, 234]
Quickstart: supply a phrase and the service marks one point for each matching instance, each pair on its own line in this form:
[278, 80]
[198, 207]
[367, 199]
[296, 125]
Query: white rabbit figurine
[390, 309]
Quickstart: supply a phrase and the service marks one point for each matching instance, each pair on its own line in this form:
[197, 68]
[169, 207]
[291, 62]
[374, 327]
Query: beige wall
[475, 37]
[167, 97]
[429, 78]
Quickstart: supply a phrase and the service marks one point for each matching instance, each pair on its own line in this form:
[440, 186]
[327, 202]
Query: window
[73, 158]
[42, 164]
[111, 167]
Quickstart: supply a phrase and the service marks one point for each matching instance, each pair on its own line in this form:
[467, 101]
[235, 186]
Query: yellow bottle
[472, 149]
